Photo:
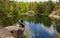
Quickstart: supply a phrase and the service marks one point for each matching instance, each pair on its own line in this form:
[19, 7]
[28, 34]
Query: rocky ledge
[13, 31]
[55, 15]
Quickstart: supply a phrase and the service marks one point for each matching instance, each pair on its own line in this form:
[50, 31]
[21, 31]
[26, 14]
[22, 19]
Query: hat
[20, 21]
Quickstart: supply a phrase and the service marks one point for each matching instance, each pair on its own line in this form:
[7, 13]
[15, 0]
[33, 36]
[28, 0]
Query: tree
[4, 11]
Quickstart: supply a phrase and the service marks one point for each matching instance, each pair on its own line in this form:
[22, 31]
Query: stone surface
[13, 27]
[14, 31]
[5, 33]
[55, 15]
[9, 37]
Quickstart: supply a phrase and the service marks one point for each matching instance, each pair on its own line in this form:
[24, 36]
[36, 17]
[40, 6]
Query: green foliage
[10, 11]
[4, 11]
[57, 6]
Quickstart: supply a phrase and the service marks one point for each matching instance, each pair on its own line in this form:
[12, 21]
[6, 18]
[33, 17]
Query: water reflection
[57, 26]
[38, 19]
[41, 27]
[57, 23]
[40, 31]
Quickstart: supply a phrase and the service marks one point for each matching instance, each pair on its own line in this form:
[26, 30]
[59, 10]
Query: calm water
[41, 27]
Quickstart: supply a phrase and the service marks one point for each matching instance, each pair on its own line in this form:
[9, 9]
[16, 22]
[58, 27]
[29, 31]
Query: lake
[41, 27]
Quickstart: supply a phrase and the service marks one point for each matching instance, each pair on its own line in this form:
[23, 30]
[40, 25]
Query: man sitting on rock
[21, 25]
[21, 30]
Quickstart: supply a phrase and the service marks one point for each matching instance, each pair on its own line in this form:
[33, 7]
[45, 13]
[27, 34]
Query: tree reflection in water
[41, 26]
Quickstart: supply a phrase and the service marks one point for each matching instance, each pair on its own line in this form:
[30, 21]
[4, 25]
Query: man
[21, 30]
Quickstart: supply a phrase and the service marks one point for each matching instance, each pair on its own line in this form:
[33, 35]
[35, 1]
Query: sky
[33, 0]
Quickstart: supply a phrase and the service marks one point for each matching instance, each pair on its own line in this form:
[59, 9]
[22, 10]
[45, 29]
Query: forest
[10, 11]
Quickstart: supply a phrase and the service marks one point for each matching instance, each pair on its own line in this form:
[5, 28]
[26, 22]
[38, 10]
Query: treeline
[37, 7]
[10, 11]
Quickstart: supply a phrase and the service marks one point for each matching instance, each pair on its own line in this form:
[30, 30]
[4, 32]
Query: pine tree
[4, 10]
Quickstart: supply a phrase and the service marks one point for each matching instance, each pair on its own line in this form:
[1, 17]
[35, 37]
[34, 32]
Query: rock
[9, 37]
[29, 13]
[55, 15]
[13, 27]
[4, 33]
[16, 30]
